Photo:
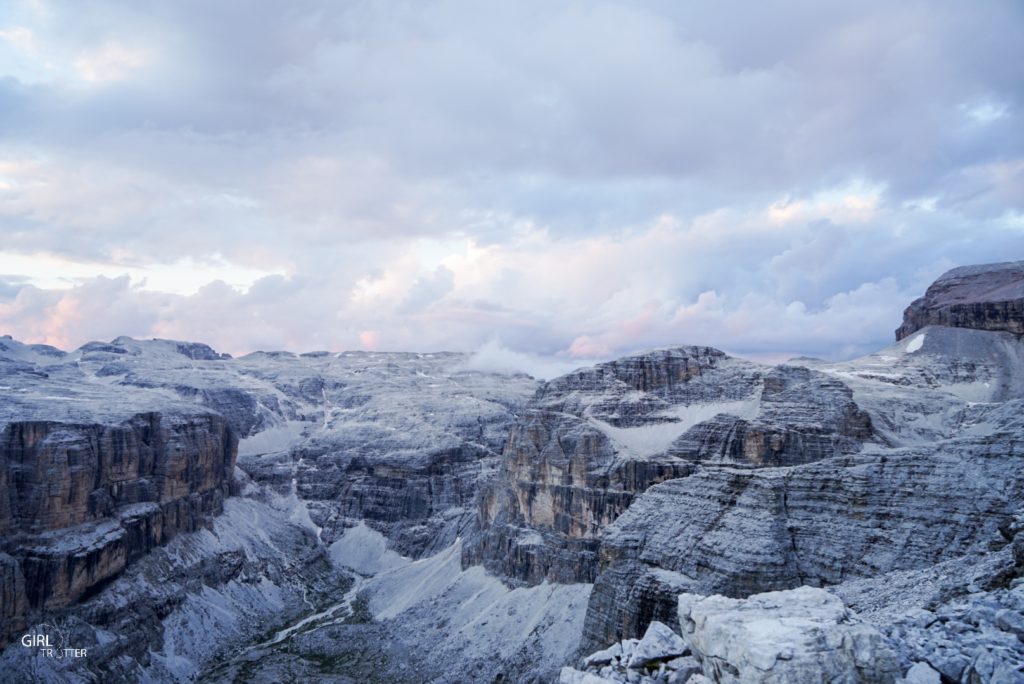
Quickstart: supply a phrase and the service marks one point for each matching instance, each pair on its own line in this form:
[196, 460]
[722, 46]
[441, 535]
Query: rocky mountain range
[171, 514]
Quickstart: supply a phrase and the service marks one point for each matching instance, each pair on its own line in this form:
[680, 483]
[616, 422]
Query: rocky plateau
[680, 515]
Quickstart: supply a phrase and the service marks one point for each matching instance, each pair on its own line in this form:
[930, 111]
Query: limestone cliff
[86, 500]
[591, 441]
[984, 297]
[92, 477]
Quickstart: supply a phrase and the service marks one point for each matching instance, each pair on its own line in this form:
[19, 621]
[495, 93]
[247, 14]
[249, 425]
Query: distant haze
[547, 182]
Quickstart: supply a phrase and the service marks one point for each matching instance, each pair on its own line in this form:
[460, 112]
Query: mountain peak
[983, 296]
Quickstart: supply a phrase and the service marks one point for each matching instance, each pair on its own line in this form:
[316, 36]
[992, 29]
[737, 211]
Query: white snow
[648, 440]
[272, 440]
[915, 343]
[364, 550]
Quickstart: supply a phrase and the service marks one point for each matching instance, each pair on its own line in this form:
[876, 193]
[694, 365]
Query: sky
[541, 181]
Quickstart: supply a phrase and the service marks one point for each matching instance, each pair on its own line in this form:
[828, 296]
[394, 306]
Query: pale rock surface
[659, 643]
[796, 636]
[921, 673]
[660, 657]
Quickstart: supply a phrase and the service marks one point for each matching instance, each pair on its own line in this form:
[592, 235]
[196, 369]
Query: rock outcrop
[660, 657]
[86, 500]
[592, 441]
[799, 636]
[91, 480]
[946, 418]
[589, 442]
[984, 297]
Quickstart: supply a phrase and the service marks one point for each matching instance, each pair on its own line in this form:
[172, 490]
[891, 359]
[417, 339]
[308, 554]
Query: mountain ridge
[595, 498]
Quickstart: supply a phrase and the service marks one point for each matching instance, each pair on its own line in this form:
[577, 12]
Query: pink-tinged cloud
[369, 340]
[749, 190]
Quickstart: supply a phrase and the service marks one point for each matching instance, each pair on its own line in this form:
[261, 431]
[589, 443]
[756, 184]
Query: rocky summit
[171, 514]
[987, 297]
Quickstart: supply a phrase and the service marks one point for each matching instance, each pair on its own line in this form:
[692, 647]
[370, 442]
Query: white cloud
[110, 62]
[984, 112]
[20, 37]
[184, 276]
[583, 179]
[493, 357]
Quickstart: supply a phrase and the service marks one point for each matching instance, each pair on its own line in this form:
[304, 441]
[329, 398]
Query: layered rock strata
[590, 442]
[85, 501]
[92, 477]
[985, 297]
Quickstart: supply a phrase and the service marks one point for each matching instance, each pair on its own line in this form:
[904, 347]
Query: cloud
[575, 178]
[20, 37]
[428, 289]
[494, 357]
[110, 62]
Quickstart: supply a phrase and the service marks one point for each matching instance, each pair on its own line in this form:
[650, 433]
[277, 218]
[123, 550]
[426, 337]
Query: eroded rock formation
[985, 297]
[86, 500]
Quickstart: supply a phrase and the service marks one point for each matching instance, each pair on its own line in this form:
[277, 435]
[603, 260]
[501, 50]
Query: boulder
[659, 643]
[792, 637]
[921, 673]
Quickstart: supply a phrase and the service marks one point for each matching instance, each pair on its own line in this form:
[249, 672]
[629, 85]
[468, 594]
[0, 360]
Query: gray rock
[921, 673]
[801, 635]
[659, 643]
[1010, 621]
[986, 297]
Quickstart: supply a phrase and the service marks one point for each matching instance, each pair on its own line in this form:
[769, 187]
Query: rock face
[369, 488]
[61, 474]
[95, 486]
[799, 636]
[985, 297]
[110, 452]
[402, 441]
[64, 549]
[945, 417]
[589, 442]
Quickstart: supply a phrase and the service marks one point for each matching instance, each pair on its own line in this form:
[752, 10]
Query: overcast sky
[566, 180]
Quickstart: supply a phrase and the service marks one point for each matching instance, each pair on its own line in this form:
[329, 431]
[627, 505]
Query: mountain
[365, 516]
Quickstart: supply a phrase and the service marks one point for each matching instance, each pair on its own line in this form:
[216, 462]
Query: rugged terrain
[403, 517]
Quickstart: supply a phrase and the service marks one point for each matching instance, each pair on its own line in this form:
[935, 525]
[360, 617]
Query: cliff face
[986, 297]
[60, 475]
[593, 440]
[939, 480]
[92, 477]
[85, 500]
[686, 470]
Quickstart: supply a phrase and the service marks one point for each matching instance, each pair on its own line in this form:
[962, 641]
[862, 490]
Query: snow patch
[364, 550]
[648, 440]
[272, 440]
[916, 343]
